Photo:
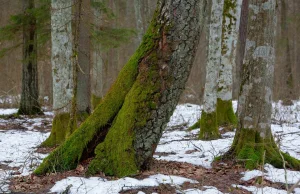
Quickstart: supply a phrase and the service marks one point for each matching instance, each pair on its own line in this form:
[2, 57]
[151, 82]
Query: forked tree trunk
[253, 141]
[208, 122]
[125, 128]
[231, 14]
[62, 69]
[29, 104]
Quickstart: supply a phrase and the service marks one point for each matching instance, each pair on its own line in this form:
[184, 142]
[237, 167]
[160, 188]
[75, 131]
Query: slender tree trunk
[288, 90]
[62, 69]
[29, 104]
[125, 128]
[253, 138]
[208, 122]
[83, 77]
[231, 13]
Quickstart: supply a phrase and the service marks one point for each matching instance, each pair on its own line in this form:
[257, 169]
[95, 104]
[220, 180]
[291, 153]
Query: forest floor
[182, 164]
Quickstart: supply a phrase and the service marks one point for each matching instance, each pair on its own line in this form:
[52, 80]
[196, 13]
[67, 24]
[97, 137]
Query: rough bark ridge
[62, 69]
[208, 121]
[29, 104]
[136, 109]
[231, 13]
[254, 138]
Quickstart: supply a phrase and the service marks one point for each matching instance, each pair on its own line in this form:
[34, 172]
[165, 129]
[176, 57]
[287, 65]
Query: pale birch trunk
[253, 141]
[231, 15]
[62, 68]
[208, 122]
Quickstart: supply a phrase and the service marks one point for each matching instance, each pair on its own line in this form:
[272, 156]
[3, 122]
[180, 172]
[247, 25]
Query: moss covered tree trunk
[208, 122]
[253, 138]
[29, 104]
[62, 69]
[123, 131]
[231, 13]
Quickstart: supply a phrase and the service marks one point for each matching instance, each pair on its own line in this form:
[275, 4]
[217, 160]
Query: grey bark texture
[61, 59]
[255, 100]
[83, 72]
[29, 103]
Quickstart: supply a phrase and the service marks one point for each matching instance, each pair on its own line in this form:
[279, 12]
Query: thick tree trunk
[253, 138]
[62, 69]
[29, 104]
[208, 122]
[127, 124]
[231, 13]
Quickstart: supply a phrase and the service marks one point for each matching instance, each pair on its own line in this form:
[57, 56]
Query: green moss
[67, 155]
[225, 113]
[195, 126]
[95, 100]
[59, 129]
[208, 126]
[116, 155]
[249, 148]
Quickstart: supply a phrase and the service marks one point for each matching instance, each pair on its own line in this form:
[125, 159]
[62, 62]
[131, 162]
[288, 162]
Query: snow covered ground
[18, 156]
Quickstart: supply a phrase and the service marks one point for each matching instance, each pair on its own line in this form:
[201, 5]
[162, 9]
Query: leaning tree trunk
[231, 13]
[29, 104]
[208, 122]
[253, 141]
[62, 69]
[124, 129]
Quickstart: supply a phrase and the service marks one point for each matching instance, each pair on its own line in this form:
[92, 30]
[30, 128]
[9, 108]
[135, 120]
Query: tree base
[225, 113]
[208, 126]
[194, 126]
[253, 151]
[59, 130]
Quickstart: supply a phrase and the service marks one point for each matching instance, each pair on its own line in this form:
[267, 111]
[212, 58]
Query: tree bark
[126, 126]
[253, 138]
[62, 69]
[29, 103]
[231, 14]
[208, 121]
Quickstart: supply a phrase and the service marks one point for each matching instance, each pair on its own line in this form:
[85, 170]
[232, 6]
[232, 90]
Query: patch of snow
[8, 111]
[264, 190]
[185, 113]
[208, 190]
[96, 185]
[251, 174]
[17, 149]
[273, 174]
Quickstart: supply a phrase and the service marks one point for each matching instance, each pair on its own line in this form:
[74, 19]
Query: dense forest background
[136, 15]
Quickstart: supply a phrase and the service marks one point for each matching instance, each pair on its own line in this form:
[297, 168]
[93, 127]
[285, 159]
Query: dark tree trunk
[126, 126]
[253, 141]
[29, 104]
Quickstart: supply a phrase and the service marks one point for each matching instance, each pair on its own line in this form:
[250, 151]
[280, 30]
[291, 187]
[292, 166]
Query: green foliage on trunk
[67, 155]
[59, 130]
[250, 148]
[209, 126]
[225, 113]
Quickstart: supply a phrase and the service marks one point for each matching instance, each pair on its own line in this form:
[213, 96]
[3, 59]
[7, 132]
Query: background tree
[231, 15]
[126, 126]
[253, 141]
[62, 68]
[208, 122]
[29, 104]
